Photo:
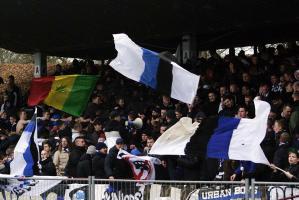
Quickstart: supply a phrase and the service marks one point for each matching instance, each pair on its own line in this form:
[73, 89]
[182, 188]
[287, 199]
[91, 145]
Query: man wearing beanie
[84, 168]
[98, 161]
[117, 168]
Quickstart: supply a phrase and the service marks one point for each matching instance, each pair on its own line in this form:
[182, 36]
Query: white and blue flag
[240, 139]
[154, 70]
[218, 137]
[26, 151]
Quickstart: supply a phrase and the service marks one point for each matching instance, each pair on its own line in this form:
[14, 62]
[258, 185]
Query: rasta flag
[69, 93]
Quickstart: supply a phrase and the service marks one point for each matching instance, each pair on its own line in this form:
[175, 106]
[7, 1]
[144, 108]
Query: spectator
[178, 114]
[228, 108]
[166, 103]
[74, 157]
[7, 106]
[275, 87]
[235, 93]
[286, 113]
[211, 107]
[149, 143]
[13, 92]
[98, 161]
[292, 170]
[47, 147]
[12, 123]
[76, 131]
[171, 118]
[278, 128]
[4, 167]
[265, 93]
[84, 168]
[4, 122]
[61, 156]
[296, 138]
[22, 122]
[294, 119]
[92, 107]
[96, 132]
[242, 112]
[296, 86]
[117, 168]
[47, 165]
[280, 156]
[64, 130]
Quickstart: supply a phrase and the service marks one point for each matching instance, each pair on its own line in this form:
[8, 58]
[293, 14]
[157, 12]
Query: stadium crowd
[75, 146]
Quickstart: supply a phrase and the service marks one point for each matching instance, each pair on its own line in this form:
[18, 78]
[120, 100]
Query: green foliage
[11, 57]
[7, 57]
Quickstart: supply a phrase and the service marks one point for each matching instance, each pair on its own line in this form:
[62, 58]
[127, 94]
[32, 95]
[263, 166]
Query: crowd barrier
[60, 188]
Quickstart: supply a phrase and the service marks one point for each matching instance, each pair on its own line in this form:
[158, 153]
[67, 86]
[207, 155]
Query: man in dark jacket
[48, 167]
[98, 162]
[294, 119]
[117, 168]
[84, 168]
[75, 155]
[280, 158]
[211, 107]
[228, 107]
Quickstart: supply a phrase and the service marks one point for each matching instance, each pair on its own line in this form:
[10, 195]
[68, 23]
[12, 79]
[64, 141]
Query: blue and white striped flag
[154, 70]
[25, 157]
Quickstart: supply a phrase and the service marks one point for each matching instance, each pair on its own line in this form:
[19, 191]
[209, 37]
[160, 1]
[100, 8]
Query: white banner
[28, 187]
[128, 191]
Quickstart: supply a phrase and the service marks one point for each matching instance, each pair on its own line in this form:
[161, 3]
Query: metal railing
[60, 188]
[278, 190]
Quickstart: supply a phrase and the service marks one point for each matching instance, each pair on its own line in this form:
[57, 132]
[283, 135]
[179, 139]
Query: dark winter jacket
[84, 168]
[118, 168]
[294, 119]
[280, 158]
[48, 167]
[281, 177]
[98, 166]
[190, 166]
[211, 108]
[74, 158]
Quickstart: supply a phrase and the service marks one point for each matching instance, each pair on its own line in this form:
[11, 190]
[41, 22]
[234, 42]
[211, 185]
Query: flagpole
[36, 140]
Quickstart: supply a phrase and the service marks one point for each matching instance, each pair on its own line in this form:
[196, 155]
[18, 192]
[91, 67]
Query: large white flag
[173, 141]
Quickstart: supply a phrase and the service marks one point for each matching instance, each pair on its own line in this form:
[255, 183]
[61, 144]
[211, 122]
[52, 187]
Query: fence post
[91, 188]
[246, 189]
[252, 188]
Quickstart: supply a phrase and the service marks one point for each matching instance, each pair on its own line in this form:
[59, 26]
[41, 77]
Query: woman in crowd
[61, 156]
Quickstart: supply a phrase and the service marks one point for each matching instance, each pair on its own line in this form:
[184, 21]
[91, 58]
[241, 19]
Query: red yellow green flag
[69, 93]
